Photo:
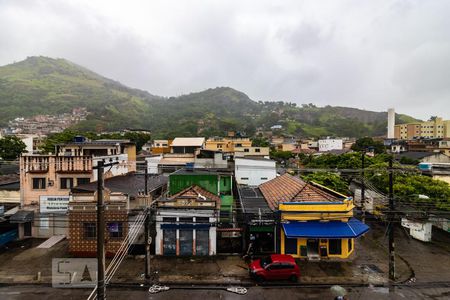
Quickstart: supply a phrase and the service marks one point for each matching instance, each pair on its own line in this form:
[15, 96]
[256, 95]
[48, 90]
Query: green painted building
[214, 181]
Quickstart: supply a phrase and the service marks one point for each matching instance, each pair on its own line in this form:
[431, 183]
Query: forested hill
[42, 85]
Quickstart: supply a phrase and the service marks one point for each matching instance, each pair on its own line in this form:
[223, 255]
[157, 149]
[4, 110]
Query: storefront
[321, 239]
[186, 223]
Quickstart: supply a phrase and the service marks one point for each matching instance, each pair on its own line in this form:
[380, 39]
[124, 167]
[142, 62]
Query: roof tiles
[287, 188]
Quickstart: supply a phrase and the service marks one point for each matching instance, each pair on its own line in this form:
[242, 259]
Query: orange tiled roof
[194, 191]
[287, 188]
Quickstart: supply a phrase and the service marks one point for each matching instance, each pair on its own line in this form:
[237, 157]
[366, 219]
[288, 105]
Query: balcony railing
[70, 164]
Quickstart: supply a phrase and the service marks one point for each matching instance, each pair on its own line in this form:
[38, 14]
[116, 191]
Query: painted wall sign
[53, 204]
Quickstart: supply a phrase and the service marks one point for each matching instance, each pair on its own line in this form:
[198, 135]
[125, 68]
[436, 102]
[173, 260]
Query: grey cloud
[366, 54]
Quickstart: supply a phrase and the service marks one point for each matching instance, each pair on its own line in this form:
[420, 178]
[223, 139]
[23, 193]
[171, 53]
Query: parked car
[274, 267]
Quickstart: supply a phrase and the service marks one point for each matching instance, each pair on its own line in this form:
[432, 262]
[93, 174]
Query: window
[266, 261]
[257, 150]
[115, 229]
[246, 150]
[350, 245]
[263, 178]
[238, 145]
[66, 183]
[244, 178]
[186, 220]
[170, 219]
[39, 183]
[335, 247]
[89, 230]
[81, 181]
[219, 145]
[287, 266]
[202, 220]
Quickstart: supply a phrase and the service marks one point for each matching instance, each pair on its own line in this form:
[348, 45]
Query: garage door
[186, 238]
[170, 241]
[202, 242]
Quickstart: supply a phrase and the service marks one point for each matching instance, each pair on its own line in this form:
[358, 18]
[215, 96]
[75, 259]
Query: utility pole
[146, 180]
[363, 187]
[391, 224]
[147, 244]
[147, 229]
[100, 233]
[101, 289]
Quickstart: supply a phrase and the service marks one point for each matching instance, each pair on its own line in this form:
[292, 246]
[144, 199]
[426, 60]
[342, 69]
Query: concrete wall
[254, 172]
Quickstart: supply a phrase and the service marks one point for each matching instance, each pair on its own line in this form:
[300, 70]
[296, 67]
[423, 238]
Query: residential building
[314, 221]
[32, 142]
[435, 128]
[210, 159]
[9, 190]
[170, 162]
[423, 157]
[9, 206]
[125, 197]
[444, 146]
[46, 180]
[407, 131]
[188, 145]
[251, 152]
[160, 147]
[254, 171]
[329, 144]
[227, 144]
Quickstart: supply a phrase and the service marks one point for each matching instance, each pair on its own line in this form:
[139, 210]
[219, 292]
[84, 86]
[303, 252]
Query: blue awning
[326, 230]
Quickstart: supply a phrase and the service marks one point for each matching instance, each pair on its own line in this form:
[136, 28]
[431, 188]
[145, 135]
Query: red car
[274, 267]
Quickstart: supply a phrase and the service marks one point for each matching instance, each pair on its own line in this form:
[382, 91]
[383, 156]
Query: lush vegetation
[52, 86]
[410, 187]
[11, 147]
[367, 144]
[66, 136]
[330, 180]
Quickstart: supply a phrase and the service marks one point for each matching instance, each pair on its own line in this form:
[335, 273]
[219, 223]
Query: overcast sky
[365, 54]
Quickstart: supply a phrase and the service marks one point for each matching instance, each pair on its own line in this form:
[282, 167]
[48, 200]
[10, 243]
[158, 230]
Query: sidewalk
[369, 266]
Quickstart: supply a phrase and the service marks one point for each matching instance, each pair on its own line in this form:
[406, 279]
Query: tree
[260, 142]
[330, 180]
[363, 144]
[11, 147]
[281, 155]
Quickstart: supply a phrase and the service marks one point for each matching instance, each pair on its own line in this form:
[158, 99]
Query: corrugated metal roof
[130, 184]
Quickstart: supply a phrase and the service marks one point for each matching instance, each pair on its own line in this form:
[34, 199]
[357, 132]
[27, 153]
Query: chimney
[391, 123]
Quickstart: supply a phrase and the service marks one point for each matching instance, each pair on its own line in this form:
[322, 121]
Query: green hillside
[42, 85]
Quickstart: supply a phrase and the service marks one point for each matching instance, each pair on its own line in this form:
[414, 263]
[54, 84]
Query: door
[27, 229]
[313, 247]
[186, 238]
[275, 271]
[202, 242]
[169, 242]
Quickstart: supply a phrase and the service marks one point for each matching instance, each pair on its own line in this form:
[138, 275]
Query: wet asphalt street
[32, 292]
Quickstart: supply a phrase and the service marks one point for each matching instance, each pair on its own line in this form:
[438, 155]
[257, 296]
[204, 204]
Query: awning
[22, 216]
[326, 230]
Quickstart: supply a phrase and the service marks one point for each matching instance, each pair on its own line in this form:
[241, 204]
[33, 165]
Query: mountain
[42, 85]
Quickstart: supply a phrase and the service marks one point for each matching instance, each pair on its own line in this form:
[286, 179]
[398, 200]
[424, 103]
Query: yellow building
[227, 144]
[436, 128]
[315, 222]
